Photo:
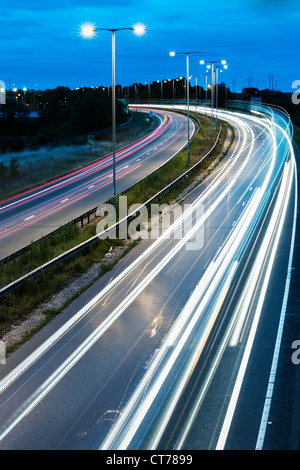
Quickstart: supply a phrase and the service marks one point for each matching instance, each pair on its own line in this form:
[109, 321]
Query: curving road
[37, 212]
[176, 348]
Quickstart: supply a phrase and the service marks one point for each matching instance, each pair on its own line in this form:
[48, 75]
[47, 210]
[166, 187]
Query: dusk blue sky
[41, 46]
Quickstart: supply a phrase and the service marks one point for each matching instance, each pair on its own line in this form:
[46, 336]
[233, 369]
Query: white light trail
[207, 297]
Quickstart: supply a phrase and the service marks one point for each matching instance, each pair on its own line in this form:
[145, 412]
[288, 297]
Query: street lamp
[212, 66]
[172, 54]
[218, 67]
[88, 31]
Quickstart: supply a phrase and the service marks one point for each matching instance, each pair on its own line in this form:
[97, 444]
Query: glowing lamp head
[172, 53]
[202, 62]
[87, 30]
[139, 29]
[223, 62]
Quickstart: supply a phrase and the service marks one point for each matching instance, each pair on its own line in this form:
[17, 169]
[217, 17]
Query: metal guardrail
[84, 245]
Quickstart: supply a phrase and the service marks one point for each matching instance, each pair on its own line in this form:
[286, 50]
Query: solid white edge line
[272, 377]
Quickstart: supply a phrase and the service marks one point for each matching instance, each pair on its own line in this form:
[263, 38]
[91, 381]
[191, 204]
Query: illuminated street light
[88, 31]
[139, 29]
[172, 54]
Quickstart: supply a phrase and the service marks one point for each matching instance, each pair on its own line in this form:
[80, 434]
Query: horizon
[258, 39]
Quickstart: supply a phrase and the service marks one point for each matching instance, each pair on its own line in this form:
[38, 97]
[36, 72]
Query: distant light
[139, 29]
[208, 66]
[223, 62]
[202, 62]
[225, 66]
[172, 54]
[24, 89]
[87, 30]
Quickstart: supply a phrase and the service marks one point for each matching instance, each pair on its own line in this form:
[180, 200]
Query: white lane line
[64, 200]
[28, 218]
[90, 187]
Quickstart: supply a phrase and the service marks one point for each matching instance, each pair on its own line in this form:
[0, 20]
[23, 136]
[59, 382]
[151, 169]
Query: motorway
[177, 347]
[29, 215]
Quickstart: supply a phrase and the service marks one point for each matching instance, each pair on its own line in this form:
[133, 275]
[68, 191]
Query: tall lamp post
[172, 54]
[218, 67]
[88, 30]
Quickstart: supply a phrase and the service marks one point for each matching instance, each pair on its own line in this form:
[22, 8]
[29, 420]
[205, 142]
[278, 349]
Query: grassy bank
[19, 303]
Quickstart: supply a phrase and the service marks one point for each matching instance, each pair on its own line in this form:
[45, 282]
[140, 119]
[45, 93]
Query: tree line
[275, 97]
[62, 113]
